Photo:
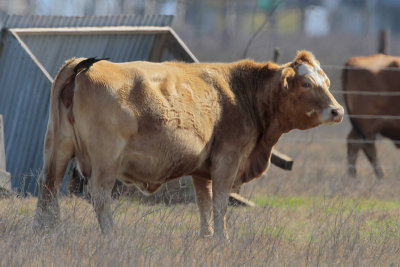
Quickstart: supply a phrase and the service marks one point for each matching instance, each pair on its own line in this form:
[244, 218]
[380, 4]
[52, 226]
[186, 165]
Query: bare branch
[257, 32]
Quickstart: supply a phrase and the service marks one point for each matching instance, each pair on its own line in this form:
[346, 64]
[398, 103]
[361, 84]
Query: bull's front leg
[203, 188]
[225, 167]
[101, 184]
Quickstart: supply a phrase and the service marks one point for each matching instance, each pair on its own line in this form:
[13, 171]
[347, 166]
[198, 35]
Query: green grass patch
[329, 205]
[24, 211]
[381, 227]
[283, 201]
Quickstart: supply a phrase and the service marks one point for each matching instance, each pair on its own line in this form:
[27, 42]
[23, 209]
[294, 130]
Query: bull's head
[307, 97]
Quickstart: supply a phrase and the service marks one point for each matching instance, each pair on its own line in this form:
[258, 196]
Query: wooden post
[281, 160]
[157, 50]
[5, 182]
[2, 149]
[383, 41]
[277, 54]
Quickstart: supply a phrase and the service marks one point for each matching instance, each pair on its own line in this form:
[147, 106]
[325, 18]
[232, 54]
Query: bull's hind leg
[353, 146]
[203, 188]
[56, 157]
[101, 184]
[370, 151]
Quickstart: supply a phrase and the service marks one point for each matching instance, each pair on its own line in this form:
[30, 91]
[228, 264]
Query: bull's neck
[257, 87]
[245, 81]
[275, 121]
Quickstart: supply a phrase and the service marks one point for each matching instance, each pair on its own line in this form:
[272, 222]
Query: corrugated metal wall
[53, 50]
[25, 90]
[24, 100]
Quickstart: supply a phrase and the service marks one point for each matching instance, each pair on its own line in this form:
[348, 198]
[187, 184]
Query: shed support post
[5, 181]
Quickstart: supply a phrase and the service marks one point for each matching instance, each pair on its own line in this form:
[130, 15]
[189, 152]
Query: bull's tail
[353, 121]
[62, 93]
[64, 84]
[87, 63]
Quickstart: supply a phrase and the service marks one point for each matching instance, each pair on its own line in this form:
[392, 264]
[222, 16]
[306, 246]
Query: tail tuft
[87, 63]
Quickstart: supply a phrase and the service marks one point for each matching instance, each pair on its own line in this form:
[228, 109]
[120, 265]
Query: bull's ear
[286, 77]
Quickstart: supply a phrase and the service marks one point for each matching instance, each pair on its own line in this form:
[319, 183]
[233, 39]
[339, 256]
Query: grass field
[314, 215]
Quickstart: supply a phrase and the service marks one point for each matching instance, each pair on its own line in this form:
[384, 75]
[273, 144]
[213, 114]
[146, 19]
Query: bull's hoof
[352, 172]
[106, 225]
[107, 230]
[206, 233]
[40, 226]
[205, 237]
[37, 227]
[215, 238]
[46, 220]
[222, 237]
[379, 174]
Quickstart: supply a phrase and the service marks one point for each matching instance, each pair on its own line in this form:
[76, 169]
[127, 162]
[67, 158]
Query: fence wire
[383, 117]
[369, 93]
[376, 69]
[340, 141]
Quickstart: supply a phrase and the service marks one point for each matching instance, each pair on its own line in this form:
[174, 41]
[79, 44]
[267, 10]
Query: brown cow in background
[148, 123]
[370, 85]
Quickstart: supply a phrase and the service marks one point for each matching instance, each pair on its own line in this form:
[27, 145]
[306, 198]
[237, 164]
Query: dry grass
[280, 232]
[312, 216]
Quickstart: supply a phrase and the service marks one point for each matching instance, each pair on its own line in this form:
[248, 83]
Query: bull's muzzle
[332, 114]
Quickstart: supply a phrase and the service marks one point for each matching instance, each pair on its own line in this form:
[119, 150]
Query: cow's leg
[57, 154]
[370, 151]
[224, 174]
[101, 184]
[203, 188]
[352, 152]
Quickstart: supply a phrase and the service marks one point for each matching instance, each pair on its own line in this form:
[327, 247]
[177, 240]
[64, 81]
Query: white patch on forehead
[305, 69]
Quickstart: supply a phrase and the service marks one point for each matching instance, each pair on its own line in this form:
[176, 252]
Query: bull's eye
[306, 85]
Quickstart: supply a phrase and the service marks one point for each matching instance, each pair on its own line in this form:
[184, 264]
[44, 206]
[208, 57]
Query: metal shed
[33, 48]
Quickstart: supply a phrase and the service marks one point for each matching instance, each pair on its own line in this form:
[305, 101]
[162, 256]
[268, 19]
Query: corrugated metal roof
[30, 21]
[120, 44]
[25, 89]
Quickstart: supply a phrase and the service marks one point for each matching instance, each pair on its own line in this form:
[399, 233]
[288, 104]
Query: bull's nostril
[335, 112]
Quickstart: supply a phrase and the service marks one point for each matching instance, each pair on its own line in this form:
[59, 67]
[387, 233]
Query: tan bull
[147, 123]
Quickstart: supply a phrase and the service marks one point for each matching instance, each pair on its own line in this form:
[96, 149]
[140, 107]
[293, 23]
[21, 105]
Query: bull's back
[366, 82]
